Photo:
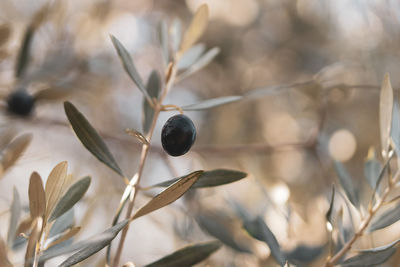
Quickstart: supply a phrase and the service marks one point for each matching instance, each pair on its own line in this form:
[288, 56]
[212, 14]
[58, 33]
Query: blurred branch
[364, 224]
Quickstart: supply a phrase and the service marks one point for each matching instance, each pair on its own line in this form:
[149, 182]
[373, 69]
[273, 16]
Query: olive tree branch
[145, 150]
[364, 224]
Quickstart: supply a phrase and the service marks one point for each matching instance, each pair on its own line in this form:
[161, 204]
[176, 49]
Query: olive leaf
[188, 256]
[153, 88]
[93, 245]
[388, 218]
[71, 197]
[62, 223]
[372, 168]
[176, 34]
[258, 229]
[129, 66]
[163, 35]
[13, 151]
[371, 257]
[347, 183]
[210, 178]
[211, 103]
[203, 61]
[221, 228]
[37, 196]
[395, 130]
[69, 234]
[169, 195]
[33, 241]
[304, 254]
[328, 215]
[4, 261]
[15, 214]
[89, 137]
[190, 56]
[24, 52]
[54, 186]
[195, 29]
[385, 113]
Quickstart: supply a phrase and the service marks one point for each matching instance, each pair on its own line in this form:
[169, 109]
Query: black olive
[20, 103]
[178, 135]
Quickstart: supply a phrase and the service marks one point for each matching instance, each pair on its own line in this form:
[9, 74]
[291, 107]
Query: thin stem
[145, 151]
[364, 224]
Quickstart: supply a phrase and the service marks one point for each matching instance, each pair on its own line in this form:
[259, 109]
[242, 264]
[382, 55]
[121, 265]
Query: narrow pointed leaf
[385, 113]
[4, 261]
[203, 61]
[69, 234]
[211, 103]
[211, 178]
[176, 34]
[54, 186]
[14, 217]
[196, 28]
[371, 257]
[372, 169]
[37, 196]
[14, 150]
[304, 254]
[191, 56]
[89, 137]
[328, 215]
[33, 241]
[258, 229]
[347, 183]
[221, 228]
[24, 52]
[169, 195]
[188, 256]
[395, 131]
[163, 33]
[71, 197]
[93, 245]
[129, 66]
[153, 88]
[386, 219]
[62, 223]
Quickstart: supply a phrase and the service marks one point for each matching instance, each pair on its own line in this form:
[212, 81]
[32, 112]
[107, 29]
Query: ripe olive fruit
[20, 103]
[178, 135]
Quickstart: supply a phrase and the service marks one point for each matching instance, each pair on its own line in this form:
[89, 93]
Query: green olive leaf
[15, 214]
[129, 66]
[89, 137]
[385, 114]
[153, 87]
[371, 257]
[71, 197]
[210, 178]
[258, 229]
[201, 62]
[347, 183]
[24, 52]
[188, 256]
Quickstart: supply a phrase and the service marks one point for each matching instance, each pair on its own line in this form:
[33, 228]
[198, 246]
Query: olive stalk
[145, 150]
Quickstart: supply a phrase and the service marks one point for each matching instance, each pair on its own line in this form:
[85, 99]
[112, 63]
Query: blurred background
[310, 72]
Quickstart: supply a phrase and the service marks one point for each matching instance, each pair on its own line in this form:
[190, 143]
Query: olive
[178, 135]
[20, 103]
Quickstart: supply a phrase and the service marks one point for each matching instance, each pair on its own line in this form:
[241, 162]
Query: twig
[364, 224]
[145, 151]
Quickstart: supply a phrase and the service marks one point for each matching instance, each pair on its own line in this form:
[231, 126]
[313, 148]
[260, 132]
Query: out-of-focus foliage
[306, 103]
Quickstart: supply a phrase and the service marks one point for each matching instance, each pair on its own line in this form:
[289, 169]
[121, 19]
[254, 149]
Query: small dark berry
[20, 103]
[178, 135]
